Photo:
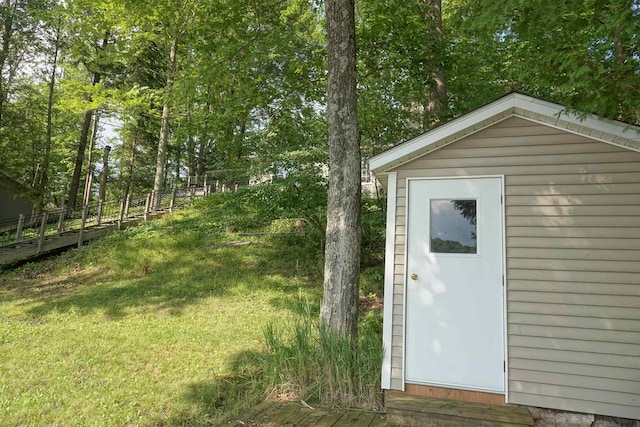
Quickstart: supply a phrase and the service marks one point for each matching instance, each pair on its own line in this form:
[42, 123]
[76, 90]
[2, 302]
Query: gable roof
[10, 183]
[5, 177]
[512, 105]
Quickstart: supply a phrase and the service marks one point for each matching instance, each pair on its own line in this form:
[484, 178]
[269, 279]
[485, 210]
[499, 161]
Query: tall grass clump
[308, 360]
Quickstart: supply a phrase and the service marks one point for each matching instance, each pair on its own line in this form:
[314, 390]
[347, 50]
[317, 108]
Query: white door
[454, 306]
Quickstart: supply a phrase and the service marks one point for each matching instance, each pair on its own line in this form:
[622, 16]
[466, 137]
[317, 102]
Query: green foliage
[372, 279]
[374, 219]
[249, 87]
[258, 206]
[309, 360]
[373, 246]
[397, 55]
[580, 53]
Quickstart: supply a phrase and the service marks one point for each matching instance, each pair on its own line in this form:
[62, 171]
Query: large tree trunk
[436, 102]
[342, 250]
[161, 160]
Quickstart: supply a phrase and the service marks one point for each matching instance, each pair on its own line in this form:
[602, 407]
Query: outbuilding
[16, 198]
[512, 270]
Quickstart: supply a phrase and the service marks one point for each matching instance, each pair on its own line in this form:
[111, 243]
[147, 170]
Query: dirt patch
[368, 303]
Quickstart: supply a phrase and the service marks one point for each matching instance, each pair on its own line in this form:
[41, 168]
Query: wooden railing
[36, 229]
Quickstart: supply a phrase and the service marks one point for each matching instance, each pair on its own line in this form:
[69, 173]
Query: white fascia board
[591, 126]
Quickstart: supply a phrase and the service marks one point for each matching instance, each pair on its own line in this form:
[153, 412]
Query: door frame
[504, 274]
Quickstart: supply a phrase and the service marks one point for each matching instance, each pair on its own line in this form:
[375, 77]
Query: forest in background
[239, 87]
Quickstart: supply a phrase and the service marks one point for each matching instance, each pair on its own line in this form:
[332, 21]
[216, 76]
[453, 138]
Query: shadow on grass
[218, 401]
[168, 269]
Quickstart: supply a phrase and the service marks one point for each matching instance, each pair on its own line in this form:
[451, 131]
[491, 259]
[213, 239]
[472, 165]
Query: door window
[453, 226]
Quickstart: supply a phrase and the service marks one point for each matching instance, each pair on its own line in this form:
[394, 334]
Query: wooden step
[408, 410]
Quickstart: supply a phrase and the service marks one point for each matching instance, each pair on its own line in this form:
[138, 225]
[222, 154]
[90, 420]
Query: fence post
[126, 206]
[85, 210]
[146, 206]
[61, 218]
[122, 210]
[19, 228]
[192, 194]
[173, 199]
[161, 196]
[43, 229]
[153, 201]
[99, 213]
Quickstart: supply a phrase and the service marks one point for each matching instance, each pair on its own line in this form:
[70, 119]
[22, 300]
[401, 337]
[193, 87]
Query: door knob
[414, 276]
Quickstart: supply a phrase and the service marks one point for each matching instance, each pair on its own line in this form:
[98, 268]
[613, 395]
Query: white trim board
[389, 261]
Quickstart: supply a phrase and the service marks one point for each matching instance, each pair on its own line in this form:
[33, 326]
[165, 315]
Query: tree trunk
[342, 248]
[89, 115]
[86, 195]
[204, 138]
[44, 176]
[191, 156]
[131, 166]
[436, 102]
[200, 159]
[6, 32]
[164, 126]
[102, 193]
[74, 186]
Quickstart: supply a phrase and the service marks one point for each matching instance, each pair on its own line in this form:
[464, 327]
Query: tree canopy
[184, 87]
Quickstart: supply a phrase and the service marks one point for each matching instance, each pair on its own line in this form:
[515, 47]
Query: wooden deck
[408, 410]
[274, 413]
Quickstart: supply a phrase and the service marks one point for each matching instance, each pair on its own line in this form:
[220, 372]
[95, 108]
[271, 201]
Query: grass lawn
[156, 325]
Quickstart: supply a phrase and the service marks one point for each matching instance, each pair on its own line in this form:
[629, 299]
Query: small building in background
[15, 198]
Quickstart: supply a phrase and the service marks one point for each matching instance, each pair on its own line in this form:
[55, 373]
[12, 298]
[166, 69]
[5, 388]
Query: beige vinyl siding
[572, 209]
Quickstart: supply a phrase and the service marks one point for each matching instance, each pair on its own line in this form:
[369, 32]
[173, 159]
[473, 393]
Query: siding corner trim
[389, 257]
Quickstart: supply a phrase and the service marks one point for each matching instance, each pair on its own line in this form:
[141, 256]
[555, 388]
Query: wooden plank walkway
[75, 234]
[28, 249]
[272, 413]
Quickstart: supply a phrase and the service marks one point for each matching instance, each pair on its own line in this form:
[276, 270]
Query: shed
[512, 270]
[15, 198]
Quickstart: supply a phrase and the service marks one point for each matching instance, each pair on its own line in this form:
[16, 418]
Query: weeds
[306, 359]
